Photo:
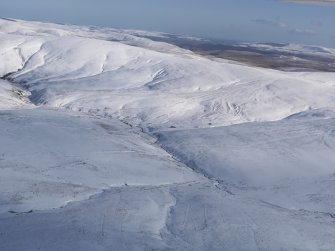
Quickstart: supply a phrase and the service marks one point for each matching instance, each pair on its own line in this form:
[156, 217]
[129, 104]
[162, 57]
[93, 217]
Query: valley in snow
[112, 140]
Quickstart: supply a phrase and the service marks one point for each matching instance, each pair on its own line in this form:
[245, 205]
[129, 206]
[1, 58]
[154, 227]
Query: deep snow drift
[244, 158]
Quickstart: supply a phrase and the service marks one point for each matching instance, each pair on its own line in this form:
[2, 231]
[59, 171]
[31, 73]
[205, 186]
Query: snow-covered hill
[148, 87]
[294, 48]
[50, 158]
[288, 163]
[244, 158]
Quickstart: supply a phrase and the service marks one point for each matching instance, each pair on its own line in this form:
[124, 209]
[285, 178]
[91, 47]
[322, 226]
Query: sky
[292, 21]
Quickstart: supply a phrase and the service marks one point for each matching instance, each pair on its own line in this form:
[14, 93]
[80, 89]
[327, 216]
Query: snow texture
[112, 141]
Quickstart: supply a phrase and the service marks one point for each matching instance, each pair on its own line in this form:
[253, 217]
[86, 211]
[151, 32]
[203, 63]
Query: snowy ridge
[109, 140]
[308, 49]
[58, 74]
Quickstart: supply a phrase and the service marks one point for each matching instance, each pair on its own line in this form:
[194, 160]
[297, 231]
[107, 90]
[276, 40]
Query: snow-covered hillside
[12, 96]
[109, 140]
[307, 49]
[49, 158]
[288, 163]
[148, 87]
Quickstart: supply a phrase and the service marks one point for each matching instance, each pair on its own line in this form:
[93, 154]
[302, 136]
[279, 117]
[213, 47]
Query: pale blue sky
[246, 20]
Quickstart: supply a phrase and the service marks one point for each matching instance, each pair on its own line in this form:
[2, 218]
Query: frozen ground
[112, 141]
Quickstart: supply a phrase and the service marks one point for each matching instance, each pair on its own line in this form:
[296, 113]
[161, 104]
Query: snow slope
[49, 158]
[12, 96]
[151, 88]
[294, 48]
[243, 159]
[289, 163]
